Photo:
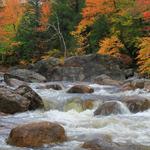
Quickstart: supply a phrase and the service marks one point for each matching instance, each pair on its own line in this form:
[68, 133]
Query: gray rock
[80, 68]
[10, 102]
[35, 100]
[27, 75]
[106, 80]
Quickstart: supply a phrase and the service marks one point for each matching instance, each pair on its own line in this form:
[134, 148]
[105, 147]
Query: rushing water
[80, 124]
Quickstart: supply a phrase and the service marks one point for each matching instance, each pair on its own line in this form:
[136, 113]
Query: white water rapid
[80, 124]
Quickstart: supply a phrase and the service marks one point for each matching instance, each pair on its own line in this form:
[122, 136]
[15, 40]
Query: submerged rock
[79, 104]
[27, 75]
[81, 89]
[37, 134]
[111, 107]
[136, 103]
[35, 100]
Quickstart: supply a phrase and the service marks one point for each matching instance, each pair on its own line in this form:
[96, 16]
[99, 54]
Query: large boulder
[35, 100]
[81, 89]
[111, 107]
[136, 103]
[106, 80]
[11, 102]
[27, 75]
[37, 134]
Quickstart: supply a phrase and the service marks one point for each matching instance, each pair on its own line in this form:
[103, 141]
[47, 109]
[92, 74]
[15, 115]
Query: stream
[80, 124]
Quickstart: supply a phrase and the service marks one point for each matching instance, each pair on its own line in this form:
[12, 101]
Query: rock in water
[136, 103]
[37, 134]
[106, 80]
[81, 89]
[111, 107]
[35, 100]
[11, 102]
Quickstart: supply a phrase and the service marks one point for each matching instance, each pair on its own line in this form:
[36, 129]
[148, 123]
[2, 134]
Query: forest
[39, 29]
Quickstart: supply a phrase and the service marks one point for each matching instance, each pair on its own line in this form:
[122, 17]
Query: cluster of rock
[79, 68]
[101, 70]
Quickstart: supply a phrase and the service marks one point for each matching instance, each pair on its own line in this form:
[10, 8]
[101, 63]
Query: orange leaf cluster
[45, 13]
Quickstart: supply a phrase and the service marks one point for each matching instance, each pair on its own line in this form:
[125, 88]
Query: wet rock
[102, 143]
[106, 80]
[127, 86]
[106, 144]
[3, 114]
[13, 81]
[133, 84]
[138, 84]
[147, 85]
[81, 89]
[35, 100]
[27, 75]
[110, 107]
[37, 134]
[51, 86]
[11, 102]
[136, 103]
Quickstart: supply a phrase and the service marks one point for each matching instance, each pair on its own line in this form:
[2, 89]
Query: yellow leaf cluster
[110, 46]
[144, 56]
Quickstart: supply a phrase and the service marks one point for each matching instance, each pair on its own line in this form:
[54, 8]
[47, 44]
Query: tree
[68, 14]
[144, 56]
[30, 33]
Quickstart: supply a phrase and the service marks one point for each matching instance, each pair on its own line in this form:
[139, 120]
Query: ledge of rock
[37, 134]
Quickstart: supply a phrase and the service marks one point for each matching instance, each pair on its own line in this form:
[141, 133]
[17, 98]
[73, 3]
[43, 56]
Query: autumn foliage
[144, 56]
[107, 27]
